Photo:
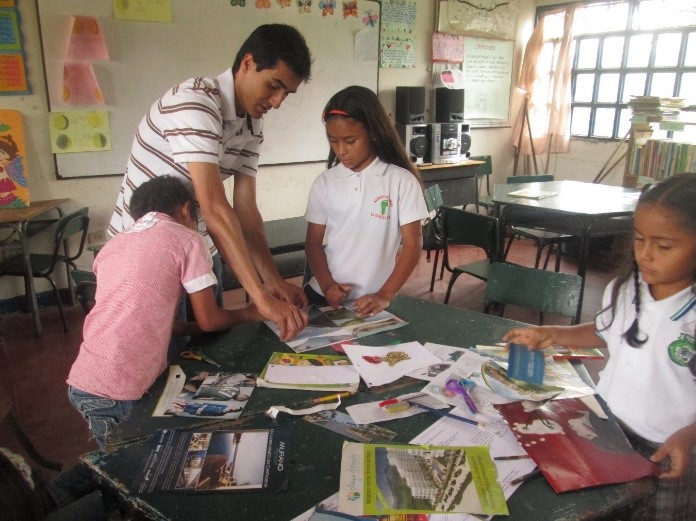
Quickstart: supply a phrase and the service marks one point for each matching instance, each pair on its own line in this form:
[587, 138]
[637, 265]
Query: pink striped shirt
[141, 276]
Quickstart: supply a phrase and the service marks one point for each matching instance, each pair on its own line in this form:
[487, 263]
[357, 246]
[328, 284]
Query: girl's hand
[371, 304]
[336, 294]
[532, 337]
[678, 448]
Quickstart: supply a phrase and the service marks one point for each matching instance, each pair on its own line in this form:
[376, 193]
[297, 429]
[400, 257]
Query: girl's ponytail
[631, 335]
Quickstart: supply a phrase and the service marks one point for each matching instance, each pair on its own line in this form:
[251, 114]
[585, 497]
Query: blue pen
[438, 412]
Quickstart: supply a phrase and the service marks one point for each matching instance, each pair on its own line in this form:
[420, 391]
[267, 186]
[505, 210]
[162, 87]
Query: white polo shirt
[195, 121]
[363, 213]
[650, 388]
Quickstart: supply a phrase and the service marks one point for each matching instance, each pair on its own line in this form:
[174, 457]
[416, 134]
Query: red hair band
[335, 111]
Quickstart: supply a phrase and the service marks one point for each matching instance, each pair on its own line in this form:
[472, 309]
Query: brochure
[309, 372]
[205, 394]
[216, 461]
[405, 479]
[327, 326]
[573, 447]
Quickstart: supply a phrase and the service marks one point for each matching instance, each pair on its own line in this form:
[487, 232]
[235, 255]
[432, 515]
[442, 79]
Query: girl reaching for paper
[648, 323]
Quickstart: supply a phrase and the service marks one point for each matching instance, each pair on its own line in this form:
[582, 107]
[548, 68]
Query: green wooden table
[316, 452]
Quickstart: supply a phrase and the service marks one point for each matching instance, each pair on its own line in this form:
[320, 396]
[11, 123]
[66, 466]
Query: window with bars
[627, 48]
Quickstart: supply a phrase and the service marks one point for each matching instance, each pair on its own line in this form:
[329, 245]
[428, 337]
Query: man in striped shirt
[205, 130]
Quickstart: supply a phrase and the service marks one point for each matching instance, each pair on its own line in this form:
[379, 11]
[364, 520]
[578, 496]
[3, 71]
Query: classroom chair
[484, 172]
[541, 236]
[433, 238]
[71, 226]
[466, 228]
[545, 291]
[85, 288]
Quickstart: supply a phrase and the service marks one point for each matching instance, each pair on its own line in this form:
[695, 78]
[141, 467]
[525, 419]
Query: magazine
[205, 394]
[393, 479]
[216, 461]
[573, 447]
[309, 372]
[327, 326]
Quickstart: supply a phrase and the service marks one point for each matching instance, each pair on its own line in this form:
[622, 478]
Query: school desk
[24, 222]
[585, 210]
[316, 452]
[457, 181]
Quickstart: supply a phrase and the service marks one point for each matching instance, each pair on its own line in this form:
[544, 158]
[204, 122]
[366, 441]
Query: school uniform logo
[382, 204]
[682, 350]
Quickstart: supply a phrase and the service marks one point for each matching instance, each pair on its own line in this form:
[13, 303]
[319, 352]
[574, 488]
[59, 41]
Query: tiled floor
[34, 369]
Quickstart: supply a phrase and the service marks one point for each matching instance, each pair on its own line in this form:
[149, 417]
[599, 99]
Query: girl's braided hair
[677, 194]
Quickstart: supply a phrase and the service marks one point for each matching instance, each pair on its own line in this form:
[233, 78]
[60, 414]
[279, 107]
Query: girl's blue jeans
[102, 414]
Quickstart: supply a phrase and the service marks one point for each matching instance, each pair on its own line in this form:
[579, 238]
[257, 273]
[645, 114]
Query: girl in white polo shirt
[648, 325]
[363, 208]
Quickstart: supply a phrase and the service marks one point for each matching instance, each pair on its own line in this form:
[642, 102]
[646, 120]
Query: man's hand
[288, 292]
[289, 319]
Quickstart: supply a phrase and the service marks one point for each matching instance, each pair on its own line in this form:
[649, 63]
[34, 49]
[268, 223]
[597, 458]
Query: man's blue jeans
[102, 414]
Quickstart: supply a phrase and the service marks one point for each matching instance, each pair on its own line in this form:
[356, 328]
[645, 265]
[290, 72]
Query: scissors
[462, 386]
[198, 356]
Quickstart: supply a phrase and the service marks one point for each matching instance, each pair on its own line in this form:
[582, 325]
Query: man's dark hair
[164, 194]
[272, 42]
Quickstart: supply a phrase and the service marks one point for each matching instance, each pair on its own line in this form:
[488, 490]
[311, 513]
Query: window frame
[618, 106]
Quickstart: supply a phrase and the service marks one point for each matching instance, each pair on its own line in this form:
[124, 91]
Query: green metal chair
[43, 264]
[85, 288]
[545, 291]
[484, 172]
[466, 228]
[538, 233]
[433, 236]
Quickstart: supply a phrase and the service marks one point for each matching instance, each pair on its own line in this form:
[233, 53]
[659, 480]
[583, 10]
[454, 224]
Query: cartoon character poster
[14, 188]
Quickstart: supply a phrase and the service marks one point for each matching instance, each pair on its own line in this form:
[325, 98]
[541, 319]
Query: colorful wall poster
[79, 131]
[14, 187]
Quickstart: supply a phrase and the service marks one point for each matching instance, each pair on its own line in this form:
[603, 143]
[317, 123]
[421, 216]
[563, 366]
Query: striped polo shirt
[195, 121]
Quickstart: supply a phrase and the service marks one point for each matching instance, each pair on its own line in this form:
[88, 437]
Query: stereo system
[415, 139]
[448, 140]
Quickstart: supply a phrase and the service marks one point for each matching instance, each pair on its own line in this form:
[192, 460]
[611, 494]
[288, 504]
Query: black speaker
[449, 105]
[410, 105]
[465, 143]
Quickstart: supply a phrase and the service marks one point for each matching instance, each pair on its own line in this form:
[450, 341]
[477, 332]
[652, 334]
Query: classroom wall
[282, 189]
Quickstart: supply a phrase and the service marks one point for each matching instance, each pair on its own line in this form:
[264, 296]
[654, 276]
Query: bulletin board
[147, 58]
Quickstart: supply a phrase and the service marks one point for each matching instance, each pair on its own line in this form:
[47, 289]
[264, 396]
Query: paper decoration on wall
[7, 3]
[80, 131]
[262, 4]
[284, 3]
[350, 8]
[304, 6]
[397, 40]
[485, 18]
[327, 7]
[86, 41]
[370, 18]
[80, 86]
[14, 187]
[13, 73]
[448, 48]
[143, 10]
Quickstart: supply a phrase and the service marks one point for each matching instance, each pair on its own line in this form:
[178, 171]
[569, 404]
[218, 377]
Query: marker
[438, 412]
[391, 401]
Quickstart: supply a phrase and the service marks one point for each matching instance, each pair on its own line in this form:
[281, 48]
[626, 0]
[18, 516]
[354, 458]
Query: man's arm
[251, 222]
[224, 228]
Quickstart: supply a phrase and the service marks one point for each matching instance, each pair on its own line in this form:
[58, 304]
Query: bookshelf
[649, 157]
